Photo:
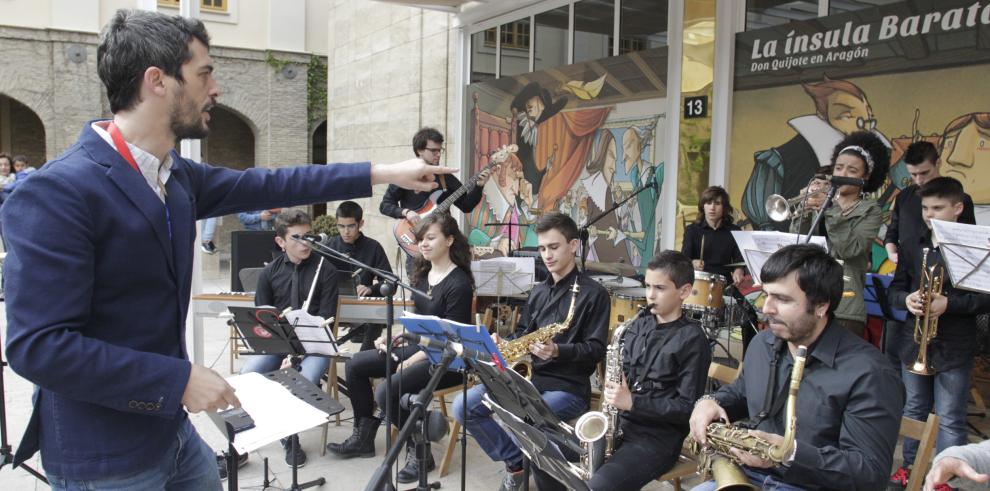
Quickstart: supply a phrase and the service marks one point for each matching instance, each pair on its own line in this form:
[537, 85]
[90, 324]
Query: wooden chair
[687, 466]
[925, 432]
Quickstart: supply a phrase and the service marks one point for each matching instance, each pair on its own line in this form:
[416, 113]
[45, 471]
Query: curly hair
[460, 251]
[878, 152]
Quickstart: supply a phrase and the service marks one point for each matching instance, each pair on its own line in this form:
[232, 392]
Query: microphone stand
[390, 284]
[821, 212]
[584, 228]
[418, 409]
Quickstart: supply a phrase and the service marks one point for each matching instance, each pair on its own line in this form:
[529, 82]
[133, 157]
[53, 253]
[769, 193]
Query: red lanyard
[118, 141]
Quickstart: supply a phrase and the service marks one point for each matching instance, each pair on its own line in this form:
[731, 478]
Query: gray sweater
[977, 455]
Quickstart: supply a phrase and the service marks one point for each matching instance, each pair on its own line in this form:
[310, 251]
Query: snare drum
[625, 304]
[706, 295]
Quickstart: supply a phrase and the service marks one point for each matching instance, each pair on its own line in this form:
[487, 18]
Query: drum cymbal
[620, 269]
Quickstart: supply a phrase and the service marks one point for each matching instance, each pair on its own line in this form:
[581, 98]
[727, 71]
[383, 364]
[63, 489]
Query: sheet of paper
[966, 250]
[312, 333]
[275, 411]
[758, 246]
[504, 275]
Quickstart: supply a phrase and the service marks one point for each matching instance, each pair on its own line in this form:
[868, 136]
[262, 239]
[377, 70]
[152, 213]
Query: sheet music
[966, 250]
[275, 411]
[312, 333]
[758, 246]
[504, 275]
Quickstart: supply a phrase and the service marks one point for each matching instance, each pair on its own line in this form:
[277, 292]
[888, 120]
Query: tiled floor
[352, 474]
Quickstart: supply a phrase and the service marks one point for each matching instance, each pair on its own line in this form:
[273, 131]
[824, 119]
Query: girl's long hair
[460, 251]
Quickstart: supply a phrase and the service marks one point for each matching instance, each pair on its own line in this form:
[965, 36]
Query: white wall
[75, 15]
[25, 13]
[287, 25]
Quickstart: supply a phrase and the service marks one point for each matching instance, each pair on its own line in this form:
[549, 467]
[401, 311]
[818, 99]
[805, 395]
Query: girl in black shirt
[713, 228]
[443, 271]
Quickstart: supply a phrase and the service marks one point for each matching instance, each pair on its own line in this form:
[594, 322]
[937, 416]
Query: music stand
[966, 251]
[542, 436]
[266, 332]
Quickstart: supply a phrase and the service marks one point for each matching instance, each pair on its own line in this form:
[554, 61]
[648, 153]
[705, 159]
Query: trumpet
[926, 325]
[780, 209]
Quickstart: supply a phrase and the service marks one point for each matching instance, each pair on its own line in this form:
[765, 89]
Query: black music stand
[265, 331]
[520, 410]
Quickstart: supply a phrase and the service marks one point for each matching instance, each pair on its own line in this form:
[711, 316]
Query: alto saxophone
[926, 325]
[719, 462]
[516, 351]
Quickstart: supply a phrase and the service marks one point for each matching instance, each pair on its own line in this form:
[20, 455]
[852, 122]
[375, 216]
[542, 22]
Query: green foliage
[326, 224]
[317, 89]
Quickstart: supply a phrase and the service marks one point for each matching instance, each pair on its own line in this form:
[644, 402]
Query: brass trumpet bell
[780, 209]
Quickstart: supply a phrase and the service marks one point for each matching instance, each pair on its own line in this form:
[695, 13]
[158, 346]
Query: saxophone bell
[590, 429]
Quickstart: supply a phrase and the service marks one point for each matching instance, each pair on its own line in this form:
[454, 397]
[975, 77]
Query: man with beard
[849, 404]
[99, 265]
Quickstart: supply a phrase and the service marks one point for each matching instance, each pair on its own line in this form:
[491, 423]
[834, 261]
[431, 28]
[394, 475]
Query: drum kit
[707, 303]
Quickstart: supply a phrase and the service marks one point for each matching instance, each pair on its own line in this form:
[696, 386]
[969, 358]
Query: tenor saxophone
[926, 325]
[716, 458]
[516, 351]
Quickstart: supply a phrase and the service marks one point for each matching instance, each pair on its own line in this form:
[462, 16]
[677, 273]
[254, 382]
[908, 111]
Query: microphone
[842, 181]
[428, 342]
[311, 237]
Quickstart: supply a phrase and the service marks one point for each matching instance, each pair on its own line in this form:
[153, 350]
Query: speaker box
[250, 249]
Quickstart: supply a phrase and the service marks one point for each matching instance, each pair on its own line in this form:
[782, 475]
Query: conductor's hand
[414, 174]
[544, 351]
[950, 467]
[705, 412]
[207, 391]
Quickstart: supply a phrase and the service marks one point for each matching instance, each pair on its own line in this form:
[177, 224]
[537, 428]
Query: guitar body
[404, 230]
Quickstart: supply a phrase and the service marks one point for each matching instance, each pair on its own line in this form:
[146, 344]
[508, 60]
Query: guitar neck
[445, 205]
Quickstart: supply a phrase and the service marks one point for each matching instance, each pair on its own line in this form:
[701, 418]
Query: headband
[862, 153]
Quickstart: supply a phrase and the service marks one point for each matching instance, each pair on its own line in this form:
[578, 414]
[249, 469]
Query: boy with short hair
[665, 360]
[950, 353]
[351, 241]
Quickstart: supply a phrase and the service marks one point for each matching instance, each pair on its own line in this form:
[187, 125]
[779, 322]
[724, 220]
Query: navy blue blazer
[98, 285]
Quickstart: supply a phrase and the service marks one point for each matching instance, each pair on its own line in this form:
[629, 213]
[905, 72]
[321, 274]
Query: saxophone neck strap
[773, 405]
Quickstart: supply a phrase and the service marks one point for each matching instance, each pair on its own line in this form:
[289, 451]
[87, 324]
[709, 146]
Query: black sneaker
[208, 247]
[298, 459]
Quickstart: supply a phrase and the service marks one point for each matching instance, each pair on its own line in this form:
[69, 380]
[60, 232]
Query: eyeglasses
[866, 124]
[435, 150]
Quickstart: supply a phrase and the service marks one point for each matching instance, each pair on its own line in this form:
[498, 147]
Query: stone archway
[21, 131]
[231, 144]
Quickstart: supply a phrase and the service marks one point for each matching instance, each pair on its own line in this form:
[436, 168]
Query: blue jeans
[312, 367]
[207, 228]
[763, 481]
[188, 464]
[947, 392]
[490, 436]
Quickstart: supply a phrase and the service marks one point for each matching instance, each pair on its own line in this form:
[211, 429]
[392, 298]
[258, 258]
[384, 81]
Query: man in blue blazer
[100, 250]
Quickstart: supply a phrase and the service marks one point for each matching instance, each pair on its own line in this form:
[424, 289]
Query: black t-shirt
[366, 250]
[451, 297]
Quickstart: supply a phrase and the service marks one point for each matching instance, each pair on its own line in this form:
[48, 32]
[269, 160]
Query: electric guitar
[404, 229]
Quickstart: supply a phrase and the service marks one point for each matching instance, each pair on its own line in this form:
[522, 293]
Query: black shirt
[580, 347]
[365, 249]
[906, 221]
[720, 247]
[397, 198]
[848, 409]
[275, 285]
[955, 344]
[451, 297]
[666, 367]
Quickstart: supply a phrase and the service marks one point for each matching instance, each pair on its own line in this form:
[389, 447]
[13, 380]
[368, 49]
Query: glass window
[642, 25]
[593, 26]
[765, 13]
[839, 7]
[482, 57]
[550, 49]
[515, 48]
[207, 5]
